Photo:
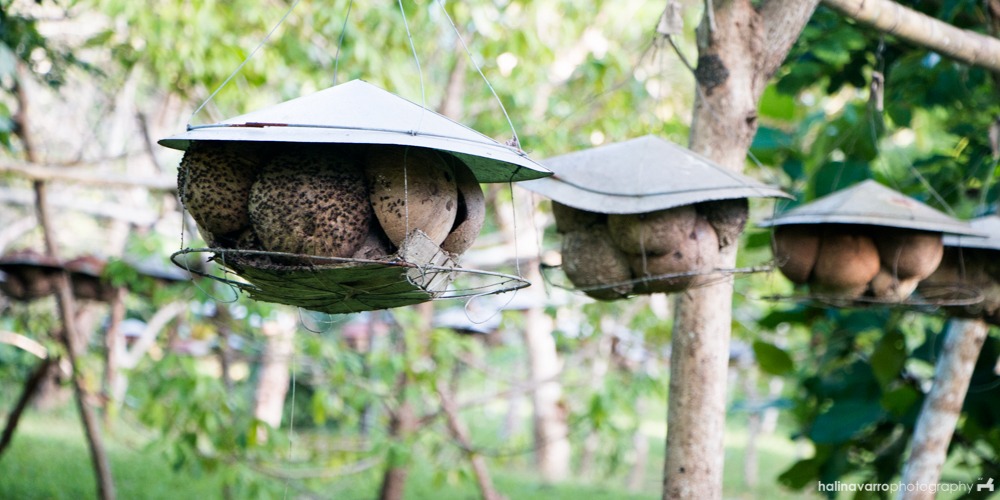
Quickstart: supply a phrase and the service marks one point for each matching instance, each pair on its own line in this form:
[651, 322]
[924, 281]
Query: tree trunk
[752, 398]
[640, 447]
[404, 421]
[461, 434]
[739, 47]
[30, 388]
[70, 337]
[274, 376]
[71, 340]
[113, 344]
[552, 450]
[941, 409]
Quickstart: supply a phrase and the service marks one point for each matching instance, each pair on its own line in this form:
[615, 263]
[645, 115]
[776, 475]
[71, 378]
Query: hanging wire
[245, 61]
[340, 42]
[291, 417]
[416, 59]
[516, 140]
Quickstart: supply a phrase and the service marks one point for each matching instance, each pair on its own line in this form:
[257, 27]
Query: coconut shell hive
[644, 215]
[346, 200]
[973, 262]
[867, 243]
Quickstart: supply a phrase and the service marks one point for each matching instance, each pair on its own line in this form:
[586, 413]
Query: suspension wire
[516, 140]
[245, 60]
[416, 59]
[340, 42]
[291, 415]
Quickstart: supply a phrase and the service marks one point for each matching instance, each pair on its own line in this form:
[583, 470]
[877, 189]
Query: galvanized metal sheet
[988, 226]
[872, 204]
[358, 112]
[642, 175]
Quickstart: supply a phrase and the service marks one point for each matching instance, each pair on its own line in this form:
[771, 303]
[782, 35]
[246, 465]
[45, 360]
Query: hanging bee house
[644, 215]
[28, 275]
[346, 200]
[972, 262]
[866, 243]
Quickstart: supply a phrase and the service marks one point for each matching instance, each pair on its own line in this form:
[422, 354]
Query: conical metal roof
[358, 112]
[872, 204]
[988, 226]
[642, 175]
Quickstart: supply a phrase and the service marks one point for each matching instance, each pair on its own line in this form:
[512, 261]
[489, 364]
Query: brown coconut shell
[589, 259]
[697, 253]
[471, 213]
[376, 245]
[248, 240]
[887, 286]
[570, 219]
[971, 268]
[412, 188]
[654, 233]
[214, 181]
[311, 201]
[795, 250]
[847, 261]
[727, 217]
[909, 254]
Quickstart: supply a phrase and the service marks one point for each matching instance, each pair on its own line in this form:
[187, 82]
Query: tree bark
[920, 29]
[736, 59]
[274, 377]
[552, 450]
[113, 343]
[71, 340]
[30, 388]
[404, 420]
[461, 434]
[70, 337]
[941, 409]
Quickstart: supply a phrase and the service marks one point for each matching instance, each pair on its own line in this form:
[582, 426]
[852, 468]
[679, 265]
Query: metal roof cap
[358, 112]
[988, 225]
[642, 175]
[872, 204]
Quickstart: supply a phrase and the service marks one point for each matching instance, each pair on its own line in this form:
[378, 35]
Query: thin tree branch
[920, 29]
[37, 172]
[783, 23]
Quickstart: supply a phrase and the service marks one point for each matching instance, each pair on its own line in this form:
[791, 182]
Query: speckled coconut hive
[644, 215]
[866, 243]
[346, 200]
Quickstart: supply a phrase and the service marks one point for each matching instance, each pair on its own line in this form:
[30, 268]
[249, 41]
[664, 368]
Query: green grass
[49, 460]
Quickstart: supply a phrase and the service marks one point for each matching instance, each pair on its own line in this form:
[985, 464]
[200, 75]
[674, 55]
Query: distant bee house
[28, 275]
[644, 215]
[346, 200]
[863, 244]
[972, 262]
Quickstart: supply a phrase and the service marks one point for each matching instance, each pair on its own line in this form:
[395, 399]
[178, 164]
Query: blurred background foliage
[570, 76]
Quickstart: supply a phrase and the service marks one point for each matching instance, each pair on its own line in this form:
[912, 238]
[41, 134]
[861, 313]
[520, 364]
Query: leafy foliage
[862, 379]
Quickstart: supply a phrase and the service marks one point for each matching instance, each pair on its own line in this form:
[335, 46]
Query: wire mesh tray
[553, 275]
[926, 296]
[342, 285]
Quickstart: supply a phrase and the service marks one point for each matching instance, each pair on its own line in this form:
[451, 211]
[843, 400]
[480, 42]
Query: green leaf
[889, 357]
[774, 104]
[772, 359]
[844, 420]
[900, 400]
[801, 474]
